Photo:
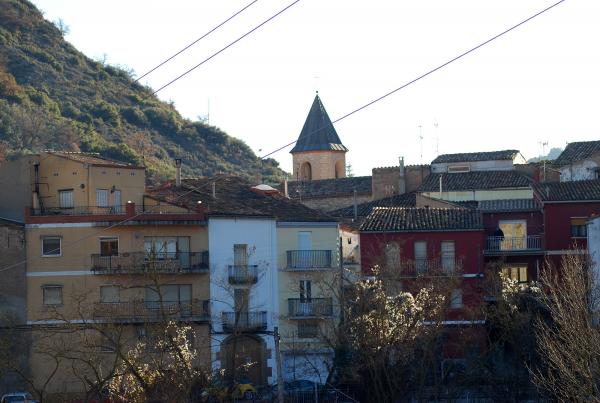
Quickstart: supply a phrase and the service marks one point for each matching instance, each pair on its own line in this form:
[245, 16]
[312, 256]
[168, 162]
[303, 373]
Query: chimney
[214, 190]
[440, 186]
[285, 188]
[178, 174]
[402, 181]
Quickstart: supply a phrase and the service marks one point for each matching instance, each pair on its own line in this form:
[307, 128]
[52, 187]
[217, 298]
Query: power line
[423, 75]
[196, 41]
[226, 47]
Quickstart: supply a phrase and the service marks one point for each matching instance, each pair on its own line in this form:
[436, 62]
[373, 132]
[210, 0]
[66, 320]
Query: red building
[514, 236]
[414, 243]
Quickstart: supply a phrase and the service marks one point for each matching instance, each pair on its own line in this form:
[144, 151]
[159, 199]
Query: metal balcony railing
[310, 307]
[244, 321]
[109, 210]
[152, 311]
[499, 244]
[143, 262]
[419, 267]
[308, 259]
[243, 274]
[79, 210]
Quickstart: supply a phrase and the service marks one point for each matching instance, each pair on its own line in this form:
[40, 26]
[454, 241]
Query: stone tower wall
[322, 164]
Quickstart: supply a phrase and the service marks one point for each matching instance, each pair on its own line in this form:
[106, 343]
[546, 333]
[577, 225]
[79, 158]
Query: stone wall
[386, 182]
[322, 163]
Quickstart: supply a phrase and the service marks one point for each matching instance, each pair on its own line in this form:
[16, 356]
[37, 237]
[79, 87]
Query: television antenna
[421, 141]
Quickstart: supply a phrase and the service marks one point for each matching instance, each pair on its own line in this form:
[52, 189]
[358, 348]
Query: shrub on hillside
[135, 116]
[163, 120]
[107, 112]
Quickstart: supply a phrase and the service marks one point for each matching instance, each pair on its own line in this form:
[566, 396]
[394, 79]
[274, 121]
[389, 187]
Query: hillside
[53, 96]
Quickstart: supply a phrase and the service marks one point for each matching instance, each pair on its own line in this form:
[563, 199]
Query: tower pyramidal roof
[318, 133]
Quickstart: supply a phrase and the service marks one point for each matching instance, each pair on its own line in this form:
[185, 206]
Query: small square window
[307, 329]
[51, 246]
[578, 227]
[52, 294]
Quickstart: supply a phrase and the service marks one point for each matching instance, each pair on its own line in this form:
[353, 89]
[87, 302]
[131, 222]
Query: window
[308, 329]
[51, 246]
[578, 227]
[109, 294]
[52, 294]
[516, 273]
[392, 255]
[458, 168]
[456, 299]
[305, 291]
[515, 235]
[102, 197]
[448, 258]
[240, 255]
[109, 246]
[65, 198]
[173, 295]
[421, 256]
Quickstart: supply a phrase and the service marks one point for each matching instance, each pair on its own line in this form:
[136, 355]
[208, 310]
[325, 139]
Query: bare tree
[568, 338]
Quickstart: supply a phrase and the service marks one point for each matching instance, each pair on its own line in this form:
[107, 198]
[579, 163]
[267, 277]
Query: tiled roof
[236, 197]
[318, 132]
[400, 219]
[509, 205]
[364, 209]
[329, 187]
[92, 159]
[569, 191]
[477, 156]
[577, 151]
[475, 180]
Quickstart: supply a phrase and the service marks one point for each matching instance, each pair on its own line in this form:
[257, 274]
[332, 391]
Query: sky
[533, 89]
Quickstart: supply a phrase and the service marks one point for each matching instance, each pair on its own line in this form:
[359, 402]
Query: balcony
[310, 308]
[243, 274]
[152, 311]
[142, 262]
[497, 245]
[244, 321]
[421, 267]
[308, 259]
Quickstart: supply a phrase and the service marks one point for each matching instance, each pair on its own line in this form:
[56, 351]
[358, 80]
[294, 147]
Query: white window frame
[60, 198]
[101, 191]
[59, 254]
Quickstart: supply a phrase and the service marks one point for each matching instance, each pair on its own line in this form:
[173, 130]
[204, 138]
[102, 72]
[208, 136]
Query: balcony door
[175, 298]
[304, 248]
[420, 256]
[515, 234]
[167, 251]
[448, 256]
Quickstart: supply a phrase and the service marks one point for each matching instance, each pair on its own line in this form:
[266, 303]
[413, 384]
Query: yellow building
[102, 254]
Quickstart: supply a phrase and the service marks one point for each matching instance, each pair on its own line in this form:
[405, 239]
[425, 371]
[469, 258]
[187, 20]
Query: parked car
[18, 397]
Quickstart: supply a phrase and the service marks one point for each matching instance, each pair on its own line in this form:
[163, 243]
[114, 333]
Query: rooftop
[330, 187]
[318, 133]
[474, 180]
[489, 206]
[401, 219]
[92, 159]
[569, 191]
[577, 151]
[234, 196]
[364, 209]
[477, 156]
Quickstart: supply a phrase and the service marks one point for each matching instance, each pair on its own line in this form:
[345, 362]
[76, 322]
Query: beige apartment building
[102, 257]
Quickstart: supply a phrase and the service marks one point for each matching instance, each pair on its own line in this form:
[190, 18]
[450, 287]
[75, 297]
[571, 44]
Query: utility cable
[226, 47]
[421, 76]
[196, 41]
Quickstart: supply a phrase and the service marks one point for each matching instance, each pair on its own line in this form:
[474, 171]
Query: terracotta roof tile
[475, 180]
[329, 187]
[236, 197]
[92, 159]
[577, 151]
[476, 156]
[400, 219]
[509, 205]
[364, 209]
[569, 191]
